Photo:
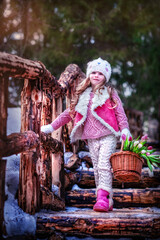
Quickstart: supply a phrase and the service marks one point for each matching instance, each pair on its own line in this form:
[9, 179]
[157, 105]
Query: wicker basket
[126, 166]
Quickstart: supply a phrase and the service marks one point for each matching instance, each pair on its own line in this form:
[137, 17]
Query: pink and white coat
[114, 120]
[101, 109]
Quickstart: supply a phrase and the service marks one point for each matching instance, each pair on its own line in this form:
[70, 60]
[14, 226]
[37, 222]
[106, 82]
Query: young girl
[100, 119]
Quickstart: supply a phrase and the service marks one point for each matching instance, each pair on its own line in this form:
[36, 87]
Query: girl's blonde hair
[83, 86]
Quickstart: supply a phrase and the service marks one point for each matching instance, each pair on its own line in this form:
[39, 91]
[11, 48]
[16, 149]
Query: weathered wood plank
[148, 197]
[120, 222]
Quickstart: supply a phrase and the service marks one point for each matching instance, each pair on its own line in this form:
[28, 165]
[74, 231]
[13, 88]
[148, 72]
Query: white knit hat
[99, 65]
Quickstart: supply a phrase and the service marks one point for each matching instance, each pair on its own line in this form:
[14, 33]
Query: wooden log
[148, 197]
[73, 163]
[70, 79]
[29, 187]
[21, 142]
[15, 66]
[70, 178]
[2, 194]
[56, 111]
[126, 222]
[71, 74]
[3, 130]
[50, 144]
[3, 104]
[58, 174]
[18, 142]
[18, 67]
[58, 158]
[29, 179]
[36, 111]
[51, 201]
[86, 180]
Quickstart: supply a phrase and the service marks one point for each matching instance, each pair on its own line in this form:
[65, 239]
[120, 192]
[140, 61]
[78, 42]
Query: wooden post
[70, 79]
[3, 105]
[57, 158]
[44, 162]
[2, 194]
[29, 187]
[3, 127]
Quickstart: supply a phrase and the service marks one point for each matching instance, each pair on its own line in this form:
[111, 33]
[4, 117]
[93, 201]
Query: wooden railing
[41, 161]
[43, 98]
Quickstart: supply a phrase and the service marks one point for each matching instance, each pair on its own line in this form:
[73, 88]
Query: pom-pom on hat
[99, 65]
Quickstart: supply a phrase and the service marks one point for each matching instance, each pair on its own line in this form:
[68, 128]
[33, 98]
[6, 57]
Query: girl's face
[96, 78]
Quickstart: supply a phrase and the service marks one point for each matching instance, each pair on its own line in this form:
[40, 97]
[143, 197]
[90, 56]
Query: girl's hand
[47, 128]
[126, 132]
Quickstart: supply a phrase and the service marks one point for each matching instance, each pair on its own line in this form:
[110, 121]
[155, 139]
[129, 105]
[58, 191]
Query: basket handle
[122, 144]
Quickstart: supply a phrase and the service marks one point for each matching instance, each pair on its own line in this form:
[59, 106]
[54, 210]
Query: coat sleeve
[61, 120]
[119, 112]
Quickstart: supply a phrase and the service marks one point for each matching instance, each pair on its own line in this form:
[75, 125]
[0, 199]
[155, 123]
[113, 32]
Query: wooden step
[127, 222]
[86, 180]
[122, 197]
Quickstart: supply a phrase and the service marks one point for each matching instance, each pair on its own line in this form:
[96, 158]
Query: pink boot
[103, 203]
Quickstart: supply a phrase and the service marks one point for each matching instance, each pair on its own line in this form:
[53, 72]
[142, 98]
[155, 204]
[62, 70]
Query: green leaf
[148, 162]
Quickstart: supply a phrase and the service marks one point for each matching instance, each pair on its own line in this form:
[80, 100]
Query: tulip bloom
[145, 137]
[130, 139]
[140, 145]
[123, 137]
[143, 151]
[150, 148]
[136, 143]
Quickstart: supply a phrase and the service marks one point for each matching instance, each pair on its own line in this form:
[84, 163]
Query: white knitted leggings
[100, 150]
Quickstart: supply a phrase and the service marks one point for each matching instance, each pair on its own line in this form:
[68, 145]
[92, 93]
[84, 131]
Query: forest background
[57, 33]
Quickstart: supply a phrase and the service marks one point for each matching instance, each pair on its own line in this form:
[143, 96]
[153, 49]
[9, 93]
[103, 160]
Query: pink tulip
[147, 153]
[144, 138]
[130, 139]
[150, 148]
[123, 137]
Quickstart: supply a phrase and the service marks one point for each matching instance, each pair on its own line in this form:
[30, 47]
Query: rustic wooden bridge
[136, 210]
